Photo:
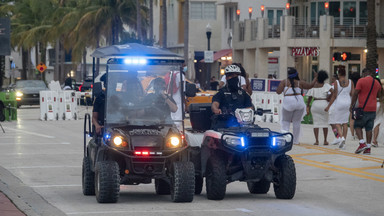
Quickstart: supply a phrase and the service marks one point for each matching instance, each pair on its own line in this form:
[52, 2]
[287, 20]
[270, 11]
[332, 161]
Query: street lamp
[262, 10]
[250, 9]
[208, 31]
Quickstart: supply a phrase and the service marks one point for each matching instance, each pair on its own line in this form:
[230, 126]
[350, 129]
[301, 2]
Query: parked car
[86, 89]
[28, 92]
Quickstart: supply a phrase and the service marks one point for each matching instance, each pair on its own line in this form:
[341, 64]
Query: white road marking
[49, 186]
[42, 167]
[16, 143]
[31, 133]
[156, 211]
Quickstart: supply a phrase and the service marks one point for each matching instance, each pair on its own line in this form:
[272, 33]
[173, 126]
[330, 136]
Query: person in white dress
[341, 101]
[293, 108]
[319, 95]
[379, 120]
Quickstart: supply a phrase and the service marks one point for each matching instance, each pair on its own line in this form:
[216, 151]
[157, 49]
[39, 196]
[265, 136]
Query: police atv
[238, 150]
[139, 141]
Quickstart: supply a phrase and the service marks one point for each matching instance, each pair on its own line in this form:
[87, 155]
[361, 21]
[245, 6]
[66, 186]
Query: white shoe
[336, 141]
[342, 143]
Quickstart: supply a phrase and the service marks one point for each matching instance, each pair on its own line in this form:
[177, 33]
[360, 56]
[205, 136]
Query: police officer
[231, 96]
[99, 109]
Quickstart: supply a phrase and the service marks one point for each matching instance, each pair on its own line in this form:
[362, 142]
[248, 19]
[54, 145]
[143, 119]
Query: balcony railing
[350, 29]
[273, 28]
[305, 31]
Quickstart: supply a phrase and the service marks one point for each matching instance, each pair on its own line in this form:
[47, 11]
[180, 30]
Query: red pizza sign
[305, 51]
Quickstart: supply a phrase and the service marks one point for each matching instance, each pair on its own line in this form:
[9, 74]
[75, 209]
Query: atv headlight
[234, 141]
[244, 116]
[278, 142]
[174, 142]
[19, 94]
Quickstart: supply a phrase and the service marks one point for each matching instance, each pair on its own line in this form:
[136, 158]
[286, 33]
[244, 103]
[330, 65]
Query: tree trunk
[24, 56]
[56, 75]
[164, 23]
[371, 37]
[43, 57]
[151, 21]
[30, 72]
[138, 21]
[62, 63]
[186, 37]
[84, 68]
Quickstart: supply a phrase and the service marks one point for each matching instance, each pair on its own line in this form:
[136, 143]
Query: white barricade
[68, 105]
[48, 105]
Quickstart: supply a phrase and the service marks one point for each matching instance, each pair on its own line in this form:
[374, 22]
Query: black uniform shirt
[230, 101]
[99, 107]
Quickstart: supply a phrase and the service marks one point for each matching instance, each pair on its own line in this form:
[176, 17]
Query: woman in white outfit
[319, 95]
[379, 120]
[341, 101]
[293, 108]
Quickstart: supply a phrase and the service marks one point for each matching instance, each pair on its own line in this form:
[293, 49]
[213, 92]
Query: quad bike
[237, 150]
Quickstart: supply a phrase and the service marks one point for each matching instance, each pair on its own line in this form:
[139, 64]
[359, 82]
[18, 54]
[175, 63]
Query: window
[321, 9]
[203, 10]
[334, 10]
[349, 12]
[313, 13]
[279, 13]
[363, 13]
[270, 17]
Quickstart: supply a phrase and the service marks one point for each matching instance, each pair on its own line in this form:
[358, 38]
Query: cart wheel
[216, 178]
[183, 182]
[75, 116]
[107, 182]
[45, 117]
[285, 178]
[57, 116]
[88, 178]
[63, 116]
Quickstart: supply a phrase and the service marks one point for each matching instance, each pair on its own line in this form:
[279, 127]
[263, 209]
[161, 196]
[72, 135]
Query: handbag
[357, 113]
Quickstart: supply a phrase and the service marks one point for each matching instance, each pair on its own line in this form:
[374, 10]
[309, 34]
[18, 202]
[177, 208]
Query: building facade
[308, 37]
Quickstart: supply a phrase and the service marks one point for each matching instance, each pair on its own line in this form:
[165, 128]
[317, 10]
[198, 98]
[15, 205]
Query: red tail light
[80, 87]
[91, 85]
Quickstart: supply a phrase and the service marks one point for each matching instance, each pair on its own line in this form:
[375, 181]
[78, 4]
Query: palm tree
[164, 24]
[371, 37]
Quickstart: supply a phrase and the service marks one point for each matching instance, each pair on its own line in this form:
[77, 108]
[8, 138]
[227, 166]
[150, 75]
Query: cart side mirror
[190, 90]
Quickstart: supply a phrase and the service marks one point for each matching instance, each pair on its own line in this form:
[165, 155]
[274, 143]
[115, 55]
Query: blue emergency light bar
[135, 61]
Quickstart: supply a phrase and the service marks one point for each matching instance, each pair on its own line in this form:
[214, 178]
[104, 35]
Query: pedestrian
[355, 76]
[335, 77]
[197, 83]
[67, 84]
[366, 91]
[293, 108]
[255, 75]
[319, 95]
[213, 83]
[242, 81]
[248, 87]
[341, 100]
[379, 120]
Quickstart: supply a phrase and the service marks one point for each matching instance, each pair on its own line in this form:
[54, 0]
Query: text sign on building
[5, 42]
[258, 84]
[208, 56]
[305, 51]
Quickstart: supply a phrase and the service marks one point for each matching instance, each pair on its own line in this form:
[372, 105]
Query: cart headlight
[235, 141]
[174, 142]
[19, 94]
[117, 141]
[278, 142]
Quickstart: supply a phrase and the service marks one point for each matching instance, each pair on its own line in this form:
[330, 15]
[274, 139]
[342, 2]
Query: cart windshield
[143, 92]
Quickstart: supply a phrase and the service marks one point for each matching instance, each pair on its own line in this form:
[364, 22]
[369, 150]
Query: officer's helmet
[232, 69]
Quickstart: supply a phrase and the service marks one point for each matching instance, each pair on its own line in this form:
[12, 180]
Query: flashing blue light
[107, 136]
[242, 142]
[140, 61]
[274, 141]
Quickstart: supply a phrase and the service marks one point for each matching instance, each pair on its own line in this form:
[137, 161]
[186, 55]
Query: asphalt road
[40, 171]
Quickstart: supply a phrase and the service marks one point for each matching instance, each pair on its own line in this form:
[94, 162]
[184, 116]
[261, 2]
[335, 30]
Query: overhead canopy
[217, 55]
[133, 49]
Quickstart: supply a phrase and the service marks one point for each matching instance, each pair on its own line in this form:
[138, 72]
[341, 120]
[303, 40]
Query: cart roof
[134, 49]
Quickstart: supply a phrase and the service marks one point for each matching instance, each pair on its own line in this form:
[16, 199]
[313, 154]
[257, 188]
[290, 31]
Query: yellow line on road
[337, 151]
[311, 154]
[341, 169]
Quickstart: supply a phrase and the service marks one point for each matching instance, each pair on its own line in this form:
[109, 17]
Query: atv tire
[260, 187]
[285, 178]
[107, 182]
[198, 184]
[183, 182]
[88, 178]
[162, 187]
[216, 178]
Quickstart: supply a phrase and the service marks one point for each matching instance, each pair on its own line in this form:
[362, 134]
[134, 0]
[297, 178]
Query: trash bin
[10, 105]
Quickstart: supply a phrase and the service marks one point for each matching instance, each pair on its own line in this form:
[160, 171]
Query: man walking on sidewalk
[366, 91]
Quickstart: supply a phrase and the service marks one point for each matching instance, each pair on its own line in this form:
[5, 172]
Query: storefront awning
[217, 55]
